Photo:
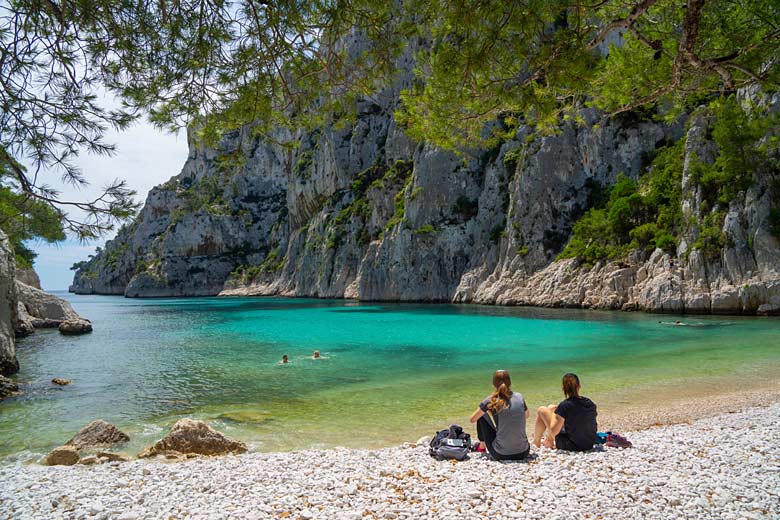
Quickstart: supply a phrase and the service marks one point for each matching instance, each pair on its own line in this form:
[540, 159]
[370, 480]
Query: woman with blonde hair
[501, 419]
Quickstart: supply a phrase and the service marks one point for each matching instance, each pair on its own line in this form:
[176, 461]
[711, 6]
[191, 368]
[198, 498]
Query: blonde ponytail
[499, 399]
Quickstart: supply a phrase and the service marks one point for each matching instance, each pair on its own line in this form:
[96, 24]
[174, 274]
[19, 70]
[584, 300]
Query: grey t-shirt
[510, 426]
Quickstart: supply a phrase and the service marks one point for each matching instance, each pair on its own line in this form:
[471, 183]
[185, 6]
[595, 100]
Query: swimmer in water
[284, 359]
[316, 354]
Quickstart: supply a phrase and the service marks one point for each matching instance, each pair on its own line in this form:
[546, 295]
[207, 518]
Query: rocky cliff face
[364, 212]
[8, 362]
[194, 230]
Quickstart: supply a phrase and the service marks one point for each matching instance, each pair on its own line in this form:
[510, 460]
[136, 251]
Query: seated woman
[501, 419]
[572, 424]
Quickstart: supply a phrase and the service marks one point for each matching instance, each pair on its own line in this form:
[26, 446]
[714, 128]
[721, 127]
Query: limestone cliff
[364, 212]
[8, 362]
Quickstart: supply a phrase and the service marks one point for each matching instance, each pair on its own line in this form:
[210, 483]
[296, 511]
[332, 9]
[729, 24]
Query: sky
[145, 158]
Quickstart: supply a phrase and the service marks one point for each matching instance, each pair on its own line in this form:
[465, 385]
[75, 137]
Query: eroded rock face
[194, 437]
[364, 212]
[23, 326]
[45, 310]
[8, 310]
[62, 456]
[97, 433]
[37, 309]
[28, 277]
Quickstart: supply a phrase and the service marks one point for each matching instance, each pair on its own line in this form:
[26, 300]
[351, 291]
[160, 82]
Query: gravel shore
[725, 467]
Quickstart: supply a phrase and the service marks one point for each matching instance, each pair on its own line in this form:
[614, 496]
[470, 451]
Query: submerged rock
[62, 456]
[245, 417]
[194, 437]
[75, 326]
[98, 433]
[60, 381]
[7, 387]
[107, 456]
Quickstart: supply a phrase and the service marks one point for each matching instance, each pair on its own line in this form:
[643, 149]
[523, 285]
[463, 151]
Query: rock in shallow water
[7, 387]
[194, 437]
[61, 381]
[62, 456]
[75, 327]
[97, 433]
[245, 417]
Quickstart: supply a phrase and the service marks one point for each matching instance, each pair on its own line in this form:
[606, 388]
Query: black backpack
[453, 443]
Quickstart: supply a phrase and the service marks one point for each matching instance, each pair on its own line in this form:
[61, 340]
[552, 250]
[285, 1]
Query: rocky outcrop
[62, 456]
[37, 309]
[75, 327]
[195, 229]
[45, 310]
[364, 212]
[193, 437]
[8, 362]
[97, 433]
[8, 388]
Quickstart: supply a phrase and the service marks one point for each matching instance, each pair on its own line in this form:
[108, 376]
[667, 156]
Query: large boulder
[7, 388]
[62, 456]
[75, 327]
[46, 310]
[194, 437]
[97, 433]
[8, 362]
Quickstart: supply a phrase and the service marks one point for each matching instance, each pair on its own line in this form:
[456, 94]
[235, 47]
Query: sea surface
[389, 372]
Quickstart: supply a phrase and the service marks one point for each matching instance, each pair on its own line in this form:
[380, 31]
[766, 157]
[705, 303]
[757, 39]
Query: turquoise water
[390, 372]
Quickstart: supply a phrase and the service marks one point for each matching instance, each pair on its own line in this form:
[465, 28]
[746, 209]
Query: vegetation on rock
[230, 64]
[647, 214]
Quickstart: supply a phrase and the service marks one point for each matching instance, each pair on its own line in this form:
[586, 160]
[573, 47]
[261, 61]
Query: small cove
[390, 373]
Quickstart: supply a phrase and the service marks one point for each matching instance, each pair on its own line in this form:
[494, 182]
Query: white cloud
[145, 158]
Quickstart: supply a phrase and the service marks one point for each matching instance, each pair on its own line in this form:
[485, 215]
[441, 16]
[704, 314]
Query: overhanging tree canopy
[222, 64]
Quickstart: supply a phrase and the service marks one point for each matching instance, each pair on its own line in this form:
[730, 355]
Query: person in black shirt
[571, 425]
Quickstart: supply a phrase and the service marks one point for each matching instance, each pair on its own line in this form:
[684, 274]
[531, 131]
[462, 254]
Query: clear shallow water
[390, 372]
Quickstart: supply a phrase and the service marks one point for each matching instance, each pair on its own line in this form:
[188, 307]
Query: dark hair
[499, 399]
[571, 385]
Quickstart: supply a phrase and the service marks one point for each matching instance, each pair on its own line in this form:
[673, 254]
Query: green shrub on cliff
[648, 214]
[742, 152]
[636, 215]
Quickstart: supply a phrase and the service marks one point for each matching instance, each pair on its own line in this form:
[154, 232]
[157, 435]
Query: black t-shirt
[579, 421]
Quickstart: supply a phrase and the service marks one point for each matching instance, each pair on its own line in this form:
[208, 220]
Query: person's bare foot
[548, 443]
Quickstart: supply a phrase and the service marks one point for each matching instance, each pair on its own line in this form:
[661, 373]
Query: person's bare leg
[549, 440]
[543, 419]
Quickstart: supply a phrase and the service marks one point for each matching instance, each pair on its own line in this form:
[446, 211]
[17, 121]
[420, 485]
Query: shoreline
[695, 405]
[228, 295]
[713, 468]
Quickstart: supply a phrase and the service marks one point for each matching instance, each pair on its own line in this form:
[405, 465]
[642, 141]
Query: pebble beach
[725, 467]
